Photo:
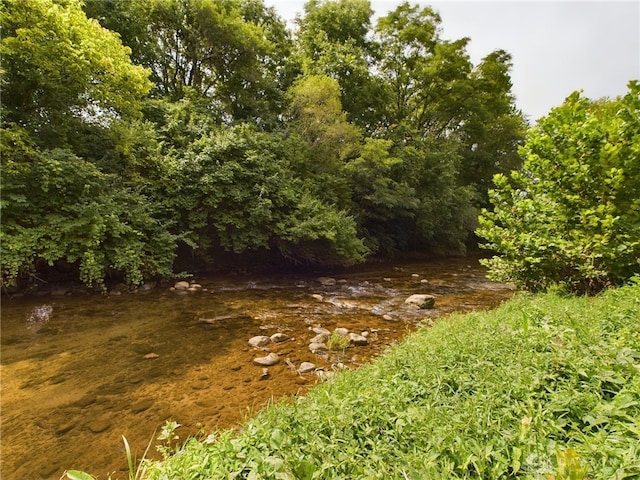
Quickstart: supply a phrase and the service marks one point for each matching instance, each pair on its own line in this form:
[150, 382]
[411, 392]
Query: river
[80, 371]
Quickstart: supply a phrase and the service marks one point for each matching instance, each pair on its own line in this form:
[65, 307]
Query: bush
[60, 208]
[571, 216]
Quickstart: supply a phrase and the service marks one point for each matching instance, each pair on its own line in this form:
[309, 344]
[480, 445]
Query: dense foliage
[136, 129]
[572, 214]
[543, 387]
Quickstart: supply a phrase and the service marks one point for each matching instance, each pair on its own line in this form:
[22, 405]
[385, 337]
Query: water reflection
[83, 370]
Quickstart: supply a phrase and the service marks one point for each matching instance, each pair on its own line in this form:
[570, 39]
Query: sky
[557, 47]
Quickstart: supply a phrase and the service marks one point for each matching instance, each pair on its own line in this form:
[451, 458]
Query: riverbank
[542, 387]
[80, 371]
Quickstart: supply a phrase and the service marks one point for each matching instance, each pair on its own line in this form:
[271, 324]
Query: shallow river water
[80, 371]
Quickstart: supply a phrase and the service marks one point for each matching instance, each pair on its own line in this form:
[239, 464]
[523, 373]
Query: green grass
[543, 387]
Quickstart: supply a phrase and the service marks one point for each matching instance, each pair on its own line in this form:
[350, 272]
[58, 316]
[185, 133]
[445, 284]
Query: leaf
[277, 438]
[78, 475]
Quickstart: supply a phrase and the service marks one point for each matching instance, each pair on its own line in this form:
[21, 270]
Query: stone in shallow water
[306, 367]
[64, 428]
[183, 285]
[279, 337]
[320, 331]
[85, 401]
[317, 347]
[259, 341]
[421, 300]
[342, 331]
[99, 425]
[358, 340]
[141, 405]
[320, 338]
[267, 361]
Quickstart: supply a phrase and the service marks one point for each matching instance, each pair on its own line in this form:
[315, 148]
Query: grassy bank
[543, 387]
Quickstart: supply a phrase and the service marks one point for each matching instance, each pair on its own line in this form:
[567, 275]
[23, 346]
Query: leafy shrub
[60, 207]
[237, 188]
[571, 216]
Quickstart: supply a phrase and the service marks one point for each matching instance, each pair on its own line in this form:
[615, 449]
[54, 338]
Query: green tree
[63, 73]
[234, 53]
[75, 153]
[58, 209]
[445, 216]
[334, 41]
[571, 216]
[383, 200]
[427, 79]
[127, 18]
[315, 113]
[238, 189]
[493, 129]
[454, 125]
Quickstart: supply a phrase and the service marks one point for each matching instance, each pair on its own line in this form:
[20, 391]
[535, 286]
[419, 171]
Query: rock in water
[259, 341]
[320, 330]
[320, 338]
[183, 285]
[306, 367]
[421, 300]
[267, 361]
[358, 340]
[279, 337]
[318, 347]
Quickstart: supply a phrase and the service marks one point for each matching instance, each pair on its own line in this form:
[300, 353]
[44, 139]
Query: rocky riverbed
[79, 371]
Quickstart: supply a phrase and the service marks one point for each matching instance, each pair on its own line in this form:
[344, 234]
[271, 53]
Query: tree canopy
[139, 129]
[571, 216]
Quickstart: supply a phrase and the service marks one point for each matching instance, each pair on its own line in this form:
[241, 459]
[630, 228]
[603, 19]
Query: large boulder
[420, 300]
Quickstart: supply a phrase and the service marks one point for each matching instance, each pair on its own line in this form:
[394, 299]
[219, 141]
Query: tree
[238, 189]
[74, 150]
[427, 78]
[60, 210]
[63, 73]
[383, 201]
[315, 113]
[333, 41]
[231, 52]
[493, 129]
[571, 216]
